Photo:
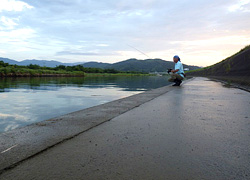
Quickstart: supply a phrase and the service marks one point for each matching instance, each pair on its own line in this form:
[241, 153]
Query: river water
[25, 101]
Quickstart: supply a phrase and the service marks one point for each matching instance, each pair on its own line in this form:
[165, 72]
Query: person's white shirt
[179, 66]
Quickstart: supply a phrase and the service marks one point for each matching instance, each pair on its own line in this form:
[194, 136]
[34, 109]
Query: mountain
[148, 65]
[10, 61]
[47, 63]
[235, 68]
[38, 62]
[96, 65]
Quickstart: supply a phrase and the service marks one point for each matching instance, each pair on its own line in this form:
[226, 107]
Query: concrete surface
[25, 142]
[198, 131]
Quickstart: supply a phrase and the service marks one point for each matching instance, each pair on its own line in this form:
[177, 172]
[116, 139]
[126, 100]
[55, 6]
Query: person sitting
[178, 73]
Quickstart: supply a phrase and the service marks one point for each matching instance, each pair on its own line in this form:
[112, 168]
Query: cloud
[102, 45]
[239, 6]
[7, 23]
[13, 5]
[102, 29]
[17, 35]
[84, 53]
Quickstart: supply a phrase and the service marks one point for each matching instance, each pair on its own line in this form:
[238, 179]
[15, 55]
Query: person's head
[176, 59]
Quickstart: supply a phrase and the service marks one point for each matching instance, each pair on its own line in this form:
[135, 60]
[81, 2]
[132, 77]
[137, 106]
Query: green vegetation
[7, 70]
[226, 62]
[234, 69]
[228, 67]
[229, 83]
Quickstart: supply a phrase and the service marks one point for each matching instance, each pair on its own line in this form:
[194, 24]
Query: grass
[227, 68]
[15, 72]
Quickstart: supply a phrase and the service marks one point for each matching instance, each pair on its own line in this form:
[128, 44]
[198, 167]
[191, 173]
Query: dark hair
[177, 57]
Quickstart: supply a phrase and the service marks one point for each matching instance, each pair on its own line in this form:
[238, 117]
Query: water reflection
[27, 100]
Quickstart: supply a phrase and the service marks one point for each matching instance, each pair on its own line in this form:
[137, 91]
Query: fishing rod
[139, 51]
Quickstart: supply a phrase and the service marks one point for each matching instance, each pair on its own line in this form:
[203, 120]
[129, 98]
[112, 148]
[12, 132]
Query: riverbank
[7, 70]
[58, 74]
[25, 72]
[41, 75]
[187, 132]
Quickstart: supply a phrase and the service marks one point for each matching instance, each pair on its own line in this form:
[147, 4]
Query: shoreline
[41, 75]
[71, 75]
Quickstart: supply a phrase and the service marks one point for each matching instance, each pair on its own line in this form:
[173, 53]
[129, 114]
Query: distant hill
[235, 68]
[96, 65]
[148, 65]
[10, 61]
[38, 62]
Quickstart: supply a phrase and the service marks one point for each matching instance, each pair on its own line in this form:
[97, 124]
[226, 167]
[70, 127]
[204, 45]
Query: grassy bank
[235, 69]
[235, 65]
[25, 72]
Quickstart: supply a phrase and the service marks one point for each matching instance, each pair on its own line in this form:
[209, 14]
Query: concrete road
[198, 131]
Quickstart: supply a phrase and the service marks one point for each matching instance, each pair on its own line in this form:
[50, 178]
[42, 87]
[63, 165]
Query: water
[25, 101]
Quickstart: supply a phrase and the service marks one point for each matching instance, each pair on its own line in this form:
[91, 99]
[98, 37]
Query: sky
[201, 32]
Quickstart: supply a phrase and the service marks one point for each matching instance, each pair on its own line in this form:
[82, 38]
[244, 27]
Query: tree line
[33, 69]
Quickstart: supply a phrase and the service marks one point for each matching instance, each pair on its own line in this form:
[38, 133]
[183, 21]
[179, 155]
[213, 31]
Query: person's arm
[174, 71]
[177, 68]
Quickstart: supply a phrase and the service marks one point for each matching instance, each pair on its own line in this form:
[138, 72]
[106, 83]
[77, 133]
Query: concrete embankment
[23, 143]
[234, 69]
[198, 131]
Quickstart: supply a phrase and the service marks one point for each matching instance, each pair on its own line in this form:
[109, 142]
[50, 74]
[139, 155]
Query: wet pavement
[198, 131]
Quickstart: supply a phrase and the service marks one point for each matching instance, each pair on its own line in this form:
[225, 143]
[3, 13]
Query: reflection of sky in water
[23, 105]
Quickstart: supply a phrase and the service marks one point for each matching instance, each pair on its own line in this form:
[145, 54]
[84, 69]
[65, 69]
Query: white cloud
[17, 34]
[219, 41]
[13, 5]
[102, 45]
[17, 40]
[8, 23]
[100, 30]
[239, 6]
[2, 51]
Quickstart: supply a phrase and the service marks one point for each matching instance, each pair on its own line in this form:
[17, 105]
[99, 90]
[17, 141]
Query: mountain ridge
[146, 66]
[47, 63]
